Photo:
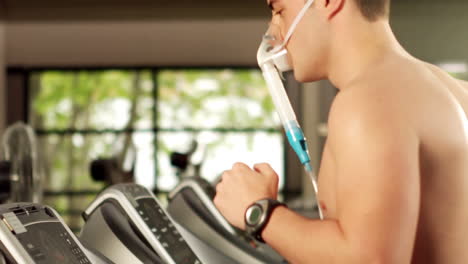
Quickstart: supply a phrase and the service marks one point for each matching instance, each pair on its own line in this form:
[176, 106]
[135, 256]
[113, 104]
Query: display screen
[163, 229]
[49, 242]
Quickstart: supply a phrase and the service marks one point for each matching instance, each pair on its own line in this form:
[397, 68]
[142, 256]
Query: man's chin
[305, 77]
[299, 76]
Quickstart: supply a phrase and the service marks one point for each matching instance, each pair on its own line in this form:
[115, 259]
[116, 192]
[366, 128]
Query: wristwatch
[257, 216]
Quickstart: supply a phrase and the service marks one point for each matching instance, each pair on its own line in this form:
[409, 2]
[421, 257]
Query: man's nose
[274, 35]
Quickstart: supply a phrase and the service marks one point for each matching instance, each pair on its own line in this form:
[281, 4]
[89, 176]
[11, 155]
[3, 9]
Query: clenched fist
[241, 186]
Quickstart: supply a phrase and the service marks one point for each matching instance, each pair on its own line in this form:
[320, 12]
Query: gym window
[81, 115]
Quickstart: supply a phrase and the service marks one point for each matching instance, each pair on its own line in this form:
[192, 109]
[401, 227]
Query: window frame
[18, 92]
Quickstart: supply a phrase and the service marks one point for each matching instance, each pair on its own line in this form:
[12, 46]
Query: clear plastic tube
[286, 113]
[313, 179]
[278, 94]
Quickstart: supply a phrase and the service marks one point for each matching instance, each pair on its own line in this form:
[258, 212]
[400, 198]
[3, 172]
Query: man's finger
[265, 169]
[217, 202]
[240, 166]
[219, 187]
[225, 176]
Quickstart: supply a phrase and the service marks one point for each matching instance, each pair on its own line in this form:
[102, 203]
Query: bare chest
[327, 185]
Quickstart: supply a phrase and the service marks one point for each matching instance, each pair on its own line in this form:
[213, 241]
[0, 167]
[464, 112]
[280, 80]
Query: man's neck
[363, 47]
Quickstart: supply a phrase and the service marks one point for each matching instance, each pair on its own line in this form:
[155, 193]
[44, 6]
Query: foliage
[93, 101]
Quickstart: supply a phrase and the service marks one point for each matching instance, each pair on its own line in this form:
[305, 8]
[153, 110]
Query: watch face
[254, 214]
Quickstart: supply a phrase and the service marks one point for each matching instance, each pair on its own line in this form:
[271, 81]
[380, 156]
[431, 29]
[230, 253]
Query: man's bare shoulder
[366, 111]
[440, 73]
[354, 105]
[369, 102]
[464, 84]
[386, 95]
[458, 88]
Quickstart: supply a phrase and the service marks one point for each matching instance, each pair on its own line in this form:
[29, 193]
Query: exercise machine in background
[20, 168]
[118, 168]
[33, 233]
[127, 224]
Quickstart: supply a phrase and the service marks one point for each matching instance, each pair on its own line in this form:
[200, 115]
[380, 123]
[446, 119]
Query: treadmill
[33, 233]
[127, 224]
[191, 205]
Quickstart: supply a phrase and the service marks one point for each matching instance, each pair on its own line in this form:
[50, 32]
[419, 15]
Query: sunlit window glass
[84, 115]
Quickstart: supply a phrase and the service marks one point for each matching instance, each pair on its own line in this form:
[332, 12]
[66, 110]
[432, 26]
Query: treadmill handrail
[190, 183]
[120, 197]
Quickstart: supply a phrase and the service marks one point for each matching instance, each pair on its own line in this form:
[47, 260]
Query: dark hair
[373, 9]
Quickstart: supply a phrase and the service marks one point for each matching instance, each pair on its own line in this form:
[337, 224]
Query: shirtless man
[393, 183]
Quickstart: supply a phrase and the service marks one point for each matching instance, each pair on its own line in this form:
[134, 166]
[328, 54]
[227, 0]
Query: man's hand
[241, 186]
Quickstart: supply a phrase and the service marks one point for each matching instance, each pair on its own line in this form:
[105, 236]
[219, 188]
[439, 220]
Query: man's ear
[333, 7]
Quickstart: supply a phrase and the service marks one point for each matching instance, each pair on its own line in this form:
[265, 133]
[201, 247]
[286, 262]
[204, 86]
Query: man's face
[306, 47]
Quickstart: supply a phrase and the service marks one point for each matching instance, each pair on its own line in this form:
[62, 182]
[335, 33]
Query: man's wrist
[268, 230]
[257, 216]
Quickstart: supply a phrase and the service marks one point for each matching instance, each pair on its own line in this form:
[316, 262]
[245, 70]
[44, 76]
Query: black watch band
[258, 215]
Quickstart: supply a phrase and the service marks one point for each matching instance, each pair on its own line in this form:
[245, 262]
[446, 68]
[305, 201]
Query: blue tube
[298, 143]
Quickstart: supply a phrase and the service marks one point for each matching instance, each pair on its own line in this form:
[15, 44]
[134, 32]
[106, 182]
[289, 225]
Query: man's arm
[377, 193]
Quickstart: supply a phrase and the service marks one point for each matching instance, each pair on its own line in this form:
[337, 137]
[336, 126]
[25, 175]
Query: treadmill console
[147, 218]
[32, 233]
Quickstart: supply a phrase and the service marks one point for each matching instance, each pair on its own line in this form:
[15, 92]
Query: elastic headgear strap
[294, 24]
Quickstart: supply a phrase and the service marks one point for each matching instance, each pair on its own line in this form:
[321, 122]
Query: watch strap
[267, 205]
